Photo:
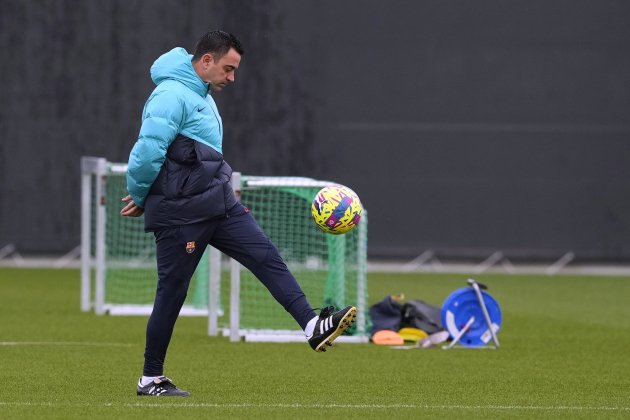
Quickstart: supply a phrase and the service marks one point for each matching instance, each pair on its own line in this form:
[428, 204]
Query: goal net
[119, 273]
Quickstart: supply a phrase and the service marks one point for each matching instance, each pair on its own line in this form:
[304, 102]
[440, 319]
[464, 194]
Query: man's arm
[162, 119]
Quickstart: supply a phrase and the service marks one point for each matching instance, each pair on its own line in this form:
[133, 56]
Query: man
[178, 179]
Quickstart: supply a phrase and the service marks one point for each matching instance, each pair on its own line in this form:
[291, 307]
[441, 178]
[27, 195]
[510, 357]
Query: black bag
[419, 314]
[385, 315]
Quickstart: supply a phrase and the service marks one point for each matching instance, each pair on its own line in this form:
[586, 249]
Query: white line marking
[62, 343]
[297, 405]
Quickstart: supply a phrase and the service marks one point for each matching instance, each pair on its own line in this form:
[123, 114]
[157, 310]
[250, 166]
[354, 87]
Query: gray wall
[465, 127]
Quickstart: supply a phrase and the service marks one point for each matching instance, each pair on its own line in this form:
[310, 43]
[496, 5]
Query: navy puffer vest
[192, 186]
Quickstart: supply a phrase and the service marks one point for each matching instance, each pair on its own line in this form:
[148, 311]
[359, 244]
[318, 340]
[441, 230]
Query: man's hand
[131, 209]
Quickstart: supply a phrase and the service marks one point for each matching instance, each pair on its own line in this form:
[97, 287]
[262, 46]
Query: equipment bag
[385, 315]
[421, 315]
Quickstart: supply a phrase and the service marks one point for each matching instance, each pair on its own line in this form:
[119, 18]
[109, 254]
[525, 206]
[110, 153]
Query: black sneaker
[331, 325]
[161, 387]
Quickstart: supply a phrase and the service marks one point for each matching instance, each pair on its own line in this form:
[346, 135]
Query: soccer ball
[336, 209]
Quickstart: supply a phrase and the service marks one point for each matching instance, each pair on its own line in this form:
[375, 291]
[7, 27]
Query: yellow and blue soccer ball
[336, 209]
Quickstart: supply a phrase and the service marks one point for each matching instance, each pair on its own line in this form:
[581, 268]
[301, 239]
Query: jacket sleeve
[161, 121]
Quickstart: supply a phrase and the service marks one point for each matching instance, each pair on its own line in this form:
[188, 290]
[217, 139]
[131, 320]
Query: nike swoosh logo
[201, 109]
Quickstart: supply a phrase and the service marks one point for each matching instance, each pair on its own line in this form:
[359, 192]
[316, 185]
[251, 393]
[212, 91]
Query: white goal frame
[94, 173]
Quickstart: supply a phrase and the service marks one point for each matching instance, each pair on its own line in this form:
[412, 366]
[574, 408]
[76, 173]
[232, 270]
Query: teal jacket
[180, 104]
[176, 169]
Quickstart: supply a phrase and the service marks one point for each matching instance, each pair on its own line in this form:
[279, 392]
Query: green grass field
[565, 343]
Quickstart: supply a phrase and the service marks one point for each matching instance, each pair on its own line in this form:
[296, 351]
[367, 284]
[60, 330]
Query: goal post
[331, 269]
[119, 275]
[118, 268]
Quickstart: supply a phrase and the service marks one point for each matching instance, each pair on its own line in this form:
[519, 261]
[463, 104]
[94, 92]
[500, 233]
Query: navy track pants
[179, 251]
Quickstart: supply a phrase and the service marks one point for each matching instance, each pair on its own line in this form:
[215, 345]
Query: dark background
[465, 127]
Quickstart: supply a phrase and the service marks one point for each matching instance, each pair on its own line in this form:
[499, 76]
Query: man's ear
[207, 58]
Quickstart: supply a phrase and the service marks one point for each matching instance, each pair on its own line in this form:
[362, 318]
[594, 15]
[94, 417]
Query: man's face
[219, 73]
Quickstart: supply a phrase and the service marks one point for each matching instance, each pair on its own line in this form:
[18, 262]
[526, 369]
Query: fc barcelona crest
[190, 247]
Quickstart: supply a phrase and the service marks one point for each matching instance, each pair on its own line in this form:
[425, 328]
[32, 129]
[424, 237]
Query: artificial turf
[564, 354]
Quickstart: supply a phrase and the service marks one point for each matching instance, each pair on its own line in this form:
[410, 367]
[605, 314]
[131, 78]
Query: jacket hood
[176, 65]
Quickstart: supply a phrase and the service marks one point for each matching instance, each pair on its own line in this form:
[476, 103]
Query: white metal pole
[235, 301]
[86, 215]
[484, 310]
[362, 275]
[214, 291]
[460, 334]
[235, 275]
[101, 177]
